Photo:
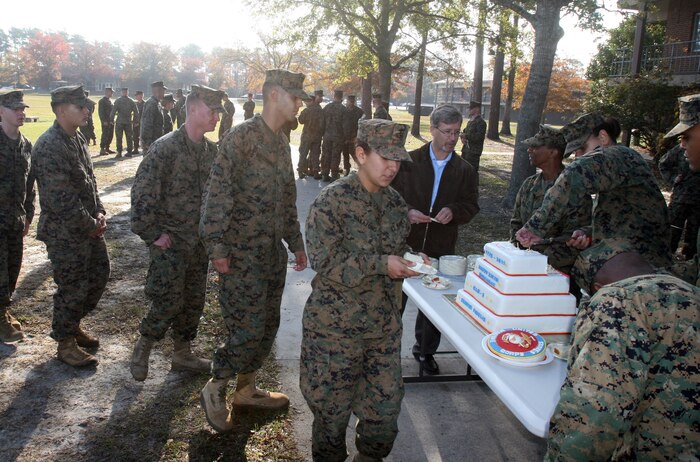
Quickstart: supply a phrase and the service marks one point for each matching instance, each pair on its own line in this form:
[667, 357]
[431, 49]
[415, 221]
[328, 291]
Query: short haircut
[267, 88]
[445, 113]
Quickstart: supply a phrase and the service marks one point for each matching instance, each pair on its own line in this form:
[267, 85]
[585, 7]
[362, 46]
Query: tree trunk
[478, 84]
[418, 102]
[547, 36]
[505, 126]
[367, 95]
[385, 68]
[495, 109]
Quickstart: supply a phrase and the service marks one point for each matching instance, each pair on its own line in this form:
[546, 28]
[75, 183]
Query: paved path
[446, 422]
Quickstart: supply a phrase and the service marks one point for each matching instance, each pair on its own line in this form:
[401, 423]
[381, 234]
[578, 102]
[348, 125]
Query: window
[695, 46]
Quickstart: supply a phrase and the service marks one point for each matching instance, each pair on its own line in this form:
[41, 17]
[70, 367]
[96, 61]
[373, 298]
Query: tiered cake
[511, 287]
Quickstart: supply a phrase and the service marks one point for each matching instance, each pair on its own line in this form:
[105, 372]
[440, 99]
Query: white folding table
[530, 393]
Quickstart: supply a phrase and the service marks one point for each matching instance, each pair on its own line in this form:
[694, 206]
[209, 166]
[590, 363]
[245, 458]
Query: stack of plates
[453, 265]
[517, 347]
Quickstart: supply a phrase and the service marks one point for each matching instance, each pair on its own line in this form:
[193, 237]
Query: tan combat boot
[10, 329]
[248, 395]
[70, 353]
[213, 399]
[85, 340]
[139, 358]
[184, 360]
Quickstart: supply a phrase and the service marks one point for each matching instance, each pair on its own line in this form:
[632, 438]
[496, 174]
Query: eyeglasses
[451, 133]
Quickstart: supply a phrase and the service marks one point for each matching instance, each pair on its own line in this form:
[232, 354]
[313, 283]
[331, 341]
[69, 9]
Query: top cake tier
[512, 260]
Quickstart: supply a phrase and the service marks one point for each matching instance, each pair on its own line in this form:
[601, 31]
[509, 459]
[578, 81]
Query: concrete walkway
[444, 422]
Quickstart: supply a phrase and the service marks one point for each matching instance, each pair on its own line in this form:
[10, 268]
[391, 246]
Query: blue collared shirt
[438, 167]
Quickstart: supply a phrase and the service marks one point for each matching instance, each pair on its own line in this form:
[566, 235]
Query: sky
[234, 25]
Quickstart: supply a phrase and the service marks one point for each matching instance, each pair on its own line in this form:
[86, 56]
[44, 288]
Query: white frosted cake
[512, 288]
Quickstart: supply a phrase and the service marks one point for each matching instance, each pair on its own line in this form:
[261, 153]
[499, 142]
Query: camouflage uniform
[310, 147]
[69, 204]
[151, 122]
[167, 122]
[288, 127]
[684, 208]
[473, 137]
[351, 343]
[529, 199]
[352, 116]
[88, 130]
[631, 391]
[126, 111]
[628, 205]
[137, 124]
[166, 198]
[226, 118]
[104, 111]
[382, 113]
[250, 207]
[248, 108]
[16, 209]
[179, 111]
[333, 138]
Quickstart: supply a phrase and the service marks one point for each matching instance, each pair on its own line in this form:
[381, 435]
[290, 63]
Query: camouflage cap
[576, 133]
[318, 93]
[139, 92]
[13, 99]
[385, 137]
[689, 108]
[71, 94]
[338, 94]
[211, 97]
[547, 136]
[169, 97]
[291, 82]
[352, 97]
[159, 84]
[125, 89]
[473, 104]
[591, 260]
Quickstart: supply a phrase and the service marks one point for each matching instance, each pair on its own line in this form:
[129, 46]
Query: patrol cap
[139, 92]
[250, 94]
[689, 108]
[71, 94]
[576, 133]
[125, 89]
[159, 84]
[211, 97]
[109, 88]
[547, 136]
[13, 99]
[352, 97]
[168, 97]
[319, 93]
[377, 95]
[473, 104]
[291, 82]
[178, 92]
[591, 260]
[385, 137]
[338, 94]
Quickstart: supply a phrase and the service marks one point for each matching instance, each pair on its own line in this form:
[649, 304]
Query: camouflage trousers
[81, 271]
[309, 153]
[137, 136]
[176, 287]
[107, 136]
[348, 153]
[250, 297]
[473, 156]
[126, 131]
[10, 264]
[684, 217]
[330, 157]
[343, 375]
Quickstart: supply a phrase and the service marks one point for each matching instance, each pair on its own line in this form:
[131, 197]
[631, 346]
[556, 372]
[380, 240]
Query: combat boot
[10, 329]
[184, 360]
[70, 353]
[103, 152]
[85, 340]
[213, 399]
[119, 155]
[248, 395]
[139, 358]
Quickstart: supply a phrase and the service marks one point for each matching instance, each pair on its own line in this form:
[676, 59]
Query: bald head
[621, 266]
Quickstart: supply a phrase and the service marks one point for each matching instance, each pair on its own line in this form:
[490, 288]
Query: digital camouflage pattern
[17, 196]
[167, 122]
[352, 314]
[310, 147]
[576, 133]
[126, 113]
[529, 199]
[248, 108]
[631, 391]
[69, 203]
[689, 114]
[226, 118]
[291, 82]
[104, 111]
[166, 198]
[351, 117]
[151, 122]
[249, 209]
[547, 136]
[179, 111]
[629, 204]
[473, 137]
[137, 125]
[333, 137]
[386, 138]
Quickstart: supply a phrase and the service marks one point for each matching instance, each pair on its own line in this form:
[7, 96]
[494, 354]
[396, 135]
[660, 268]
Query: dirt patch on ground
[51, 411]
